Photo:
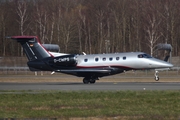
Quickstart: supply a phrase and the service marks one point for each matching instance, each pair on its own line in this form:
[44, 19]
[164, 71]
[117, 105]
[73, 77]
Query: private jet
[89, 66]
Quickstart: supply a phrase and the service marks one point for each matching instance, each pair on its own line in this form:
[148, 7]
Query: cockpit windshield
[144, 56]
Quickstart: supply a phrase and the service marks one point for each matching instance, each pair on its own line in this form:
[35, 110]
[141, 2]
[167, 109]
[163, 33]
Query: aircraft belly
[98, 72]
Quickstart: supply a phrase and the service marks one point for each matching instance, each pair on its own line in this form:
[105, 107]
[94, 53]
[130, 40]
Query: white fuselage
[125, 60]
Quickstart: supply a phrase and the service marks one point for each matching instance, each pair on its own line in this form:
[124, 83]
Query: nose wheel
[156, 76]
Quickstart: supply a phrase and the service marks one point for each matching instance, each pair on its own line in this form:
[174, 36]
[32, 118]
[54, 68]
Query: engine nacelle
[52, 47]
[66, 60]
[49, 64]
[37, 65]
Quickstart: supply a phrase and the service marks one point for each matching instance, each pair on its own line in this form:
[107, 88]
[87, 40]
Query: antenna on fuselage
[83, 53]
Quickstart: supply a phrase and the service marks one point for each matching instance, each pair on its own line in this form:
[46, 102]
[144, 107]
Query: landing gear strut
[156, 76]
[88, 80]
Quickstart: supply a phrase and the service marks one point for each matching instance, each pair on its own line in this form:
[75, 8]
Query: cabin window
[110, 58]
[96, 59]
[85, 60]
[124, 58]
[117, 58]
[104, 59]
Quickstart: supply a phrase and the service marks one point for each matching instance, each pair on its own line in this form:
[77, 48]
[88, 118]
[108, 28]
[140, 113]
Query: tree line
[91, 26]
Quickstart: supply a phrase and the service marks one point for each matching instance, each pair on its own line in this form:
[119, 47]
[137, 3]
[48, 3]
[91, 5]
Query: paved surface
[100, 86]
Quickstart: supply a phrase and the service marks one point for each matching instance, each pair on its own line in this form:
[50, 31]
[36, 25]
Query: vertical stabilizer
[32, 47]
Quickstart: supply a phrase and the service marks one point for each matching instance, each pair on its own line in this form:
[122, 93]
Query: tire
[92, 81]
[86, 81]
[156, 78]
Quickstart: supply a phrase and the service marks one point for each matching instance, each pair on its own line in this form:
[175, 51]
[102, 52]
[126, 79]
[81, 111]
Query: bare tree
[23, 17]
[169, 12]
[100, 15]
[136, 25]
[86, 25]
[58, 24]
[67, 25]
[52, 27]
[41, 19]
[152, 33]
[3, 29]
[117, 39]
[80, 23]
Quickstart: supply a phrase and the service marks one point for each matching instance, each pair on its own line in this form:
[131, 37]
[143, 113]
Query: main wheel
[92, 81]
[86, 81]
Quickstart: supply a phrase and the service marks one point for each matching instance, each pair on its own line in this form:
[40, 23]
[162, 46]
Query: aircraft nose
[165, 65]
[161, 64]
[169, 65]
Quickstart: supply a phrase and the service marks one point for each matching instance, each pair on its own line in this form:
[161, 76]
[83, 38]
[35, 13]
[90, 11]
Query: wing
[83, 72]
[86, 70]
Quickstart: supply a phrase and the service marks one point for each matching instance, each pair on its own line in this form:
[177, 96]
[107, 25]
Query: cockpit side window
[140, 56]
[147, 56]
[144, 56]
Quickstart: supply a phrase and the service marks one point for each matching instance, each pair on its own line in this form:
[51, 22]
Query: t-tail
[32, 47]
[34, 51]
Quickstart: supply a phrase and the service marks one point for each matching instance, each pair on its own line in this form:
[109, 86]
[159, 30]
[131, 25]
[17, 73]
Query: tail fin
[32, 47]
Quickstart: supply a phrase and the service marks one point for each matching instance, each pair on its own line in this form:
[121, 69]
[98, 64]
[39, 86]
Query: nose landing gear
[156, 75]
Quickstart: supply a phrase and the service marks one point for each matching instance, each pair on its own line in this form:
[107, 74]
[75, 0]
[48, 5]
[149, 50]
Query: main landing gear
[156, 75]
[88, 80]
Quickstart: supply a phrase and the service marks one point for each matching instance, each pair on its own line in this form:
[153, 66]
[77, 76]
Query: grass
[105, 105]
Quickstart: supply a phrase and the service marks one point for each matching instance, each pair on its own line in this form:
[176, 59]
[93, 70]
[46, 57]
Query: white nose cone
[155, 63]
[169, 65]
